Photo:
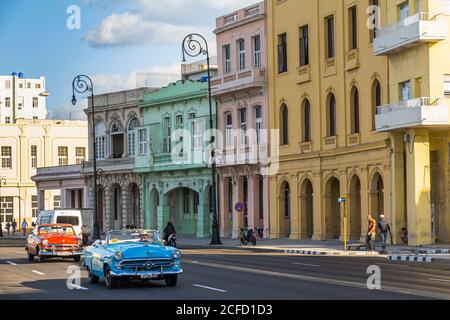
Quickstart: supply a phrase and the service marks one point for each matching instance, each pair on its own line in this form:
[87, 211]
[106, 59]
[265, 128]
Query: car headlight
[80, 242]
[45, 243]
[118, 255]
[177, 255]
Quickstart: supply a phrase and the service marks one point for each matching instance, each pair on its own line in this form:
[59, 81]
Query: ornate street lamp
[195, 45]
[83, 84]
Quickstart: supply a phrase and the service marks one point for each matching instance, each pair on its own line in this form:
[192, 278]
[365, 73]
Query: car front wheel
[30, 257]
[171, 281]
[110, 281]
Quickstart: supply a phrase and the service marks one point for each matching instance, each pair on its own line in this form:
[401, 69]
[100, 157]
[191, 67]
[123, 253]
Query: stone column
[238, 196]
[295, 212]
[418, 184]
[109, 219]
[163, 211]
[266, 208]
[204, 215]
[41, 200]
[318, 204]
[223, 206]
[126, 207]
[274, 209]
[397, 179]
[365, 190]
[344, 193]
[253, 202]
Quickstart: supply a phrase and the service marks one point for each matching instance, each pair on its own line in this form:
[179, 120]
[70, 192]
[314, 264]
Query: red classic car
[54, 240]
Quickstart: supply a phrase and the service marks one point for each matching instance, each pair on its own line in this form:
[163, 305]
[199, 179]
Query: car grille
[146, 264]
[62, 247]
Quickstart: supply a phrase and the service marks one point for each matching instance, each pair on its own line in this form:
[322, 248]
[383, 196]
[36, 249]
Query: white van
[72, 217]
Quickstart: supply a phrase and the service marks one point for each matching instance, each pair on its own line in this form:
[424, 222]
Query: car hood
[136, 250]
[60, 239]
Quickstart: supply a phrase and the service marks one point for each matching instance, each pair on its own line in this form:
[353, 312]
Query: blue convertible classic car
[132, 255]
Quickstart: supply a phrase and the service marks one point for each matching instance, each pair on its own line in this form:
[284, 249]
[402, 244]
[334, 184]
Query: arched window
[331, 115]
[376, 100]
[132, 125]
[284, 125]
[306, 121]
[100, 140]
[355, 110]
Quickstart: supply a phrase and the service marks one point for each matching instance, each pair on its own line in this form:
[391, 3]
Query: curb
[433, 251]
[411, 259]
[227, 247]
[332, 253]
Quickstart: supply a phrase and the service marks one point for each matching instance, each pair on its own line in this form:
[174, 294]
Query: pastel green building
[172, 158]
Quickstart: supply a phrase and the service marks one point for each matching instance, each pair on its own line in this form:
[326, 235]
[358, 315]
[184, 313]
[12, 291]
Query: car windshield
[133, 236]
[56, 230]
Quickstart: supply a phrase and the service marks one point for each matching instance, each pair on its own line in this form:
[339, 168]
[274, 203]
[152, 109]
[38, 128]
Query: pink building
[241, 93]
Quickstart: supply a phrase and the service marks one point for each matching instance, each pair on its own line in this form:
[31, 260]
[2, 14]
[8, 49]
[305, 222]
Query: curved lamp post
[82, 84]
[195, 45]
[2, 183]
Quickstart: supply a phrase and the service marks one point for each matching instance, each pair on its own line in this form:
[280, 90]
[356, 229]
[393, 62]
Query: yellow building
[30, 144]
[324, 85]
[415, 39]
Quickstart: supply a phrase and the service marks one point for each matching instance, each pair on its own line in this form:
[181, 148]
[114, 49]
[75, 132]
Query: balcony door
[405, 91]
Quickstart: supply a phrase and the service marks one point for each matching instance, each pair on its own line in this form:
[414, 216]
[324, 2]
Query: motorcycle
[247, 236]
[172, 240]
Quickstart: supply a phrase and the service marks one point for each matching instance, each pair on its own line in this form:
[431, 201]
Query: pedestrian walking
[1, 229]
[385, 230]
[14, 227]
[404, 235]
[8, 227]
[24, 227]
[371, 231]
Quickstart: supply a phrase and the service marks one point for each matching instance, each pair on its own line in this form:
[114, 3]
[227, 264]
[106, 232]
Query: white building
[22, 98]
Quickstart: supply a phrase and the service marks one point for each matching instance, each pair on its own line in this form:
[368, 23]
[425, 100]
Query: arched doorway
[184, 208]
[285, 209]
[116, 208]
[377, 196]
[154, 203]
[101, 208]
[355, 208]
[333, 212]
[307, 214]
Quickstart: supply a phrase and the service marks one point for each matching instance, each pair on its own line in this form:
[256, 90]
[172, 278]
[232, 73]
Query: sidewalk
[329, 248]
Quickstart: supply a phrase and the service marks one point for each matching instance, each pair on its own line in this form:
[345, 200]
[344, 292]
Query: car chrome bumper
[60, 254]
[145, 273]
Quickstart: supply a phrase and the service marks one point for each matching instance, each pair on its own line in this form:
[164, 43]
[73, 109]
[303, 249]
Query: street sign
[341, 200]
[239, 207]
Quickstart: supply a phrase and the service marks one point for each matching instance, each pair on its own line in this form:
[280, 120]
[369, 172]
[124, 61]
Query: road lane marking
[209, 288]
[19, 252]
[434, 279]
[306, 264]
[74, 286]
[11, 263]
[322, 280]
[394, 264]
[38, 272]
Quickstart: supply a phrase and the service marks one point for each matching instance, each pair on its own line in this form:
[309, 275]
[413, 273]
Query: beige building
[324, 85]
[26, 146]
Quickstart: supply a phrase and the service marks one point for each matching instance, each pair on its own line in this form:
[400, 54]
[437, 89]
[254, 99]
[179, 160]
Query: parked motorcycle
[247, 236]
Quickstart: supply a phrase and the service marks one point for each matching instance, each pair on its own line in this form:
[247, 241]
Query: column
[163, 211]
[253, 202]
[109, 219]
[223, 206]
[318, 204]
[295, 212]
[365, 190]
[238, 197]
[274, 208]
[125, 207]
[41, 200]
[204, 214]
[344, 193]
[397, 179]
[266, 208]
[418, 188]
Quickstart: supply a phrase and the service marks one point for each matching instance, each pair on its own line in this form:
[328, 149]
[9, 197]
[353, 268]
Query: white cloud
[68, 112]
[159, 21]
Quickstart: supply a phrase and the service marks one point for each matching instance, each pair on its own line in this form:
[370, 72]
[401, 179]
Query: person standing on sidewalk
[385, 229]
[8, 227]
[14, 227]
[24, 227]
[1, 229]
[371, 231]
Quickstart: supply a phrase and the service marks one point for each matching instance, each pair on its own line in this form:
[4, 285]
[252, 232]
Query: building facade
[324, 86]
[26, 146]
[240, 89]
[117, 117]
[22, 98]
[415, 40]
[172, 158]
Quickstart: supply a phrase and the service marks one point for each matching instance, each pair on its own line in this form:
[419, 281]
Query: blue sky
[116, 39]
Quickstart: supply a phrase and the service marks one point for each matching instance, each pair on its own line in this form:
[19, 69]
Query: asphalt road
[234, 275]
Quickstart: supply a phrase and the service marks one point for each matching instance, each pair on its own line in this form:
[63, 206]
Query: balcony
[110, 165]
[243, 80]
[421, 112]
[419, 28]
